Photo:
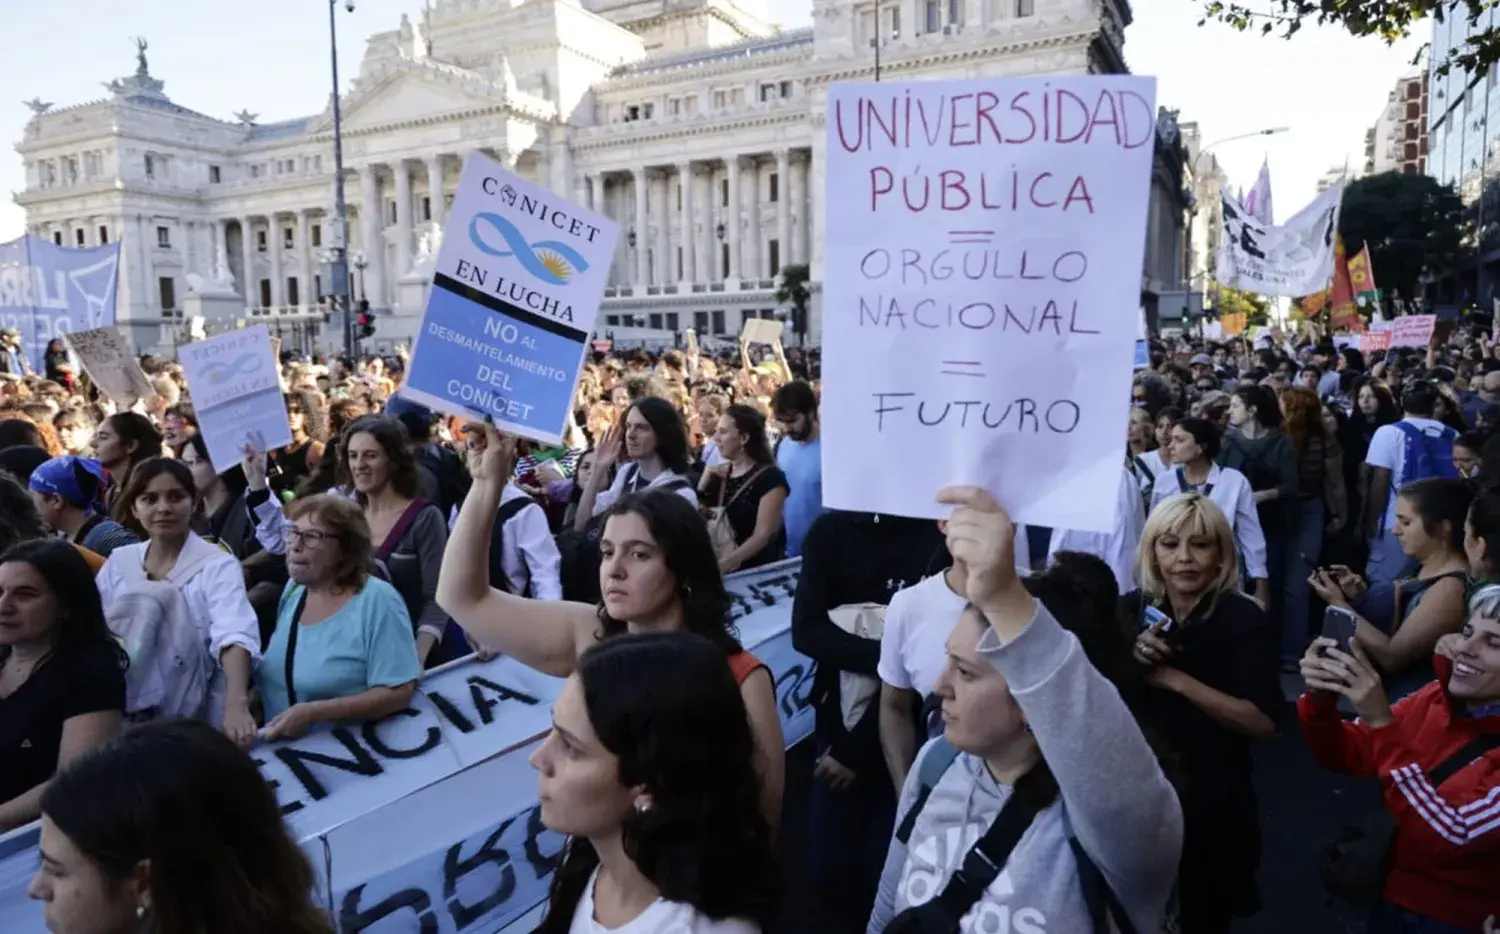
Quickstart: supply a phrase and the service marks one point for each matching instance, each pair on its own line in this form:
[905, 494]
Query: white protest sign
[517, 288]
[106, 356]
[981, 291]
[1293, 260]
[236, 392]
[761, 331]
[1412, 330]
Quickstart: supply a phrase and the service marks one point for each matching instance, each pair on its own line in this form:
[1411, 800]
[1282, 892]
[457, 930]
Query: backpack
[581, 559]
[508, 510]
[169, 668]
[1427, 455]
[1103, 906]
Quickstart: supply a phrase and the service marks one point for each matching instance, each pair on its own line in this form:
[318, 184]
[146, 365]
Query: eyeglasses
[310, 538]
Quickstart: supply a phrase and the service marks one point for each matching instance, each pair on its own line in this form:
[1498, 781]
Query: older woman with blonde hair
[1210, 656]
[343, 646]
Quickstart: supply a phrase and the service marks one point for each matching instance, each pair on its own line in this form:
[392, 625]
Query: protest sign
[47, 290]
[1374, 340]
[1142, 355]
[106, 356]
[979, 278]
[761, 331]
[236, 392]
[1412, 330]
[447, 778]
[517, 288]
[1295, 259]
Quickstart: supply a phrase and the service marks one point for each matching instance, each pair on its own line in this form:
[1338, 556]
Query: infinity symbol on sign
[549, 260]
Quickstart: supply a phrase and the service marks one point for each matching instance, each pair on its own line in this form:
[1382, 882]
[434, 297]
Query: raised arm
[545, 636]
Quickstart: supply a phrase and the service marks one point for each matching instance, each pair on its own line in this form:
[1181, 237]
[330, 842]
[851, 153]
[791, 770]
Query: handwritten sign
[1412, 330]
[1371, 341]
[427, 820]
[761, 331]
[979, 284]
[514, 298]
[106, 356]
[235, 384]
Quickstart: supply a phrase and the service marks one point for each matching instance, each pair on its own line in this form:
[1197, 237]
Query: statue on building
[246, 118]
[141, 68]
[38, 106]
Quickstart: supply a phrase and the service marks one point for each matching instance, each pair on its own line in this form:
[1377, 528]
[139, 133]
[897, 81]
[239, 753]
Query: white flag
[1294, 259]
[1258, 203]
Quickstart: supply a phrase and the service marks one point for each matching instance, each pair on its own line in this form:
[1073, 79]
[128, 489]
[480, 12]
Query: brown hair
[343, 520]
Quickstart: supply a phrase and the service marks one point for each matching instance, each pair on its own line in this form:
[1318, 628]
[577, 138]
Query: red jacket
[1446, 859]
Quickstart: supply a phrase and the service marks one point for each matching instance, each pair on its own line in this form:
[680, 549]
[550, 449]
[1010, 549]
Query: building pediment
[414, 92]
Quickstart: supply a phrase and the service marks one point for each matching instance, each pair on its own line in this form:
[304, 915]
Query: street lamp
[360, 263]
[339, 273]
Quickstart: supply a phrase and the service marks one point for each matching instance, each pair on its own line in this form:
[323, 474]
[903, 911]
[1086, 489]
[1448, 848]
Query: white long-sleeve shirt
[528, 553]
[1231, 492]
[1119, 549]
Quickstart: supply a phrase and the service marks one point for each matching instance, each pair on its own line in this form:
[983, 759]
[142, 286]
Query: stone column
[732, 165]
[688, 180]
[273, 245]
[801, 204]
[403, 218]
[562, 165]
[754, 264]
[595, 195]
[783, 209]
[641, 231]
[185, 247]
[221, 245]
[305, 295]
[150, 300]
[662, 274]
[249, 287]
[372, 235]
[435, 187]
[708, 263]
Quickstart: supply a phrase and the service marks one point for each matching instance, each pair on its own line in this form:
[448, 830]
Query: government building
[698, 125]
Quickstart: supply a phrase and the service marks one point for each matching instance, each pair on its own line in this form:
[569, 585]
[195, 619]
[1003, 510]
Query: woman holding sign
[658, 572]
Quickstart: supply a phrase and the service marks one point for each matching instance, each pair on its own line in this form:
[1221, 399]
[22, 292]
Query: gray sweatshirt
[1121, 807]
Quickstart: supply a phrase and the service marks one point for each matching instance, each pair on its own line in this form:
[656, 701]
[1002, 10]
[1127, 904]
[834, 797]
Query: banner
[1295, 259]
[1362, 275]
[48, 290]
[235, 384]
[427, 820]
[982, 275]
[106, 356]
[519, 278]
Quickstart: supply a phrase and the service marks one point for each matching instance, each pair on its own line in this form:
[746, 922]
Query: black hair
[666, 424]
[1263, 401]
[313, 421]
[1438, 500]
[140, 478]
[23, 460]
[80, 617]
[795, 398]
[704, 841]
[681, 534]
[418, 427]
[752, 425]
[1484, 521]
[1204, 433]
[19, 519]
[234, 478]
[1386, 412]
[1420, 399]
[18, 432]
[181, 795]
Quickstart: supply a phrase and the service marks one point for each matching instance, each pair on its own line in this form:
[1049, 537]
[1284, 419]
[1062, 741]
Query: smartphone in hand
[1156, 619]
[1338, 625]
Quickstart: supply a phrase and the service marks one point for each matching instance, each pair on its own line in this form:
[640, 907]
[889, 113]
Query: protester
[62, 675]
[123, 441]
[221, 516]
[658, 791]
[1417, 447]
[799, 454]
[652, 451]
[69, 495]
[170, 829]
[297, 461]
[749, 489]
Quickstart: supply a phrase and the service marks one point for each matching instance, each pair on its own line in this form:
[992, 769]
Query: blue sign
[47, 290]
[513, 302]
[1142, 355]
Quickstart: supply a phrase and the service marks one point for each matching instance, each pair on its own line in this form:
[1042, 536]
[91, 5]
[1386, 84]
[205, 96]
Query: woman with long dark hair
[298, 460]
[221, 517]
[170, 829]
[651, 445]
[62, 675]
[657, 572]
[659, 793]
[122, 441]
[747, 489]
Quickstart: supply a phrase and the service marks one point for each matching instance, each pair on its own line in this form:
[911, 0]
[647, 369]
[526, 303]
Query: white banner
[106, 356]
[981, 291]
[1294, 260]
[427, 819]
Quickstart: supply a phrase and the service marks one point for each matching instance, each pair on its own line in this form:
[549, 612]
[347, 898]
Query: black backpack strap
[1457, 762]
[508, 510]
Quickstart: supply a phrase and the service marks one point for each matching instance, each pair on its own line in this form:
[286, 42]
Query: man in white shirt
[1389, 472]
[913, 652]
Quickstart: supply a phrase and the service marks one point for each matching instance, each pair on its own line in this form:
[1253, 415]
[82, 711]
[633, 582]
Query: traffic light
[365, 323]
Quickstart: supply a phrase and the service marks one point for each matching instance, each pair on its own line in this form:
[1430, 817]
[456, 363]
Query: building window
[768, 92]
[672, 321]
[632, 112]
[736, 97]
[166, 290]
[773, 253]
[260, 241]
[690, 105]
[674, 106]
[265, 293]
[214, 175]
[895, 22]
[723, 261]
[724, 193]
[103, 235]
[647, 110]
[932, 16]
[70, 169]
[392, 212]
[786, 89]
[57, 237]
[150, 165]
[1025, 7]
[78, 237]
[955, 13]
[426, 207]
[654, 321]
[164, 237]
[255, 170]
[293, 292]
[677, 189]
[93, 164]
[718, 323]
[679, 263]
[773, 187]
[317, 234]
[721, 99]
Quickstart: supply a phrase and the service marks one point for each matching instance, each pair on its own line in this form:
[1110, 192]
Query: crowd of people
[1017, 728]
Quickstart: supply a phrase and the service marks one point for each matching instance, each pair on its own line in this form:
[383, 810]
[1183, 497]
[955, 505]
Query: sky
[1325, 86]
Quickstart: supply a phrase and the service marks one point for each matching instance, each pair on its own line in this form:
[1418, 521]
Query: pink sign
[1374, 340]
[1412, 330]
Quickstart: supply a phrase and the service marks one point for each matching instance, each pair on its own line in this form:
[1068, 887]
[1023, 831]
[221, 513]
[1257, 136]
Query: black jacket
[855, 557]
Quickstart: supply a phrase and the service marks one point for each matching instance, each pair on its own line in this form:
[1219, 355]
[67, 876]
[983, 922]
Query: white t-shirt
[660, 917]
[914, 646]
[1388, 450]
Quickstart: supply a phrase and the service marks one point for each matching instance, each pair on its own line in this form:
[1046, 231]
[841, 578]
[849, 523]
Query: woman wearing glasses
[342, 649]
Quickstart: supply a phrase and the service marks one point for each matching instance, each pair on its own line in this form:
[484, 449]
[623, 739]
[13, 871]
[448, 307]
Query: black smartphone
[1338, 625]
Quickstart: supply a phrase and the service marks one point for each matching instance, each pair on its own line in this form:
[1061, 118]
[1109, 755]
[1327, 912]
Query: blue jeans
[1303, 547]
[1391, 919]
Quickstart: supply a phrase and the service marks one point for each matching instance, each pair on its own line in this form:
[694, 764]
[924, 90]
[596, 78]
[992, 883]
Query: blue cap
[59, 477]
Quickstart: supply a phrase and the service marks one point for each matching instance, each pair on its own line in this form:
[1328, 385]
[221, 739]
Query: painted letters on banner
[1295, 259]
[980, 291]
[1412, 330]
[513, 302]
[106, 355]
[236, 394]
[47, 290]
[1371, 341]
[427, 820]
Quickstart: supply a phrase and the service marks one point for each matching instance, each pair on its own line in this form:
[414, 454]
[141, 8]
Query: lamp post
[339, 262]
[359, 264]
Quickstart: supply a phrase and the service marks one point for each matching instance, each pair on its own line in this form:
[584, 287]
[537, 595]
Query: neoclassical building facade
[697, 124]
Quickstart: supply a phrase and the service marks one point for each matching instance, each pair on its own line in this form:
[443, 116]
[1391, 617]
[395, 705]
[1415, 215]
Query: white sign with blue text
[517, 288]
[236, 393]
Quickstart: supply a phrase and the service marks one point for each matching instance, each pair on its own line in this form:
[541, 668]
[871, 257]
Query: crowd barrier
[426, 820]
